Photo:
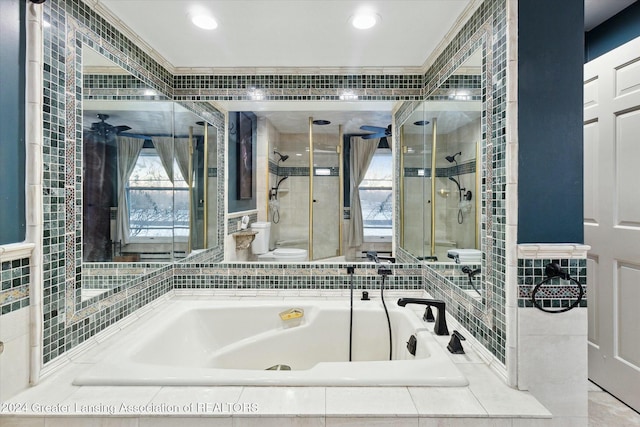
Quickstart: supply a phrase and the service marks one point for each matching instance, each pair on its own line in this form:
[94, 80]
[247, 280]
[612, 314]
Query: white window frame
[378, 233]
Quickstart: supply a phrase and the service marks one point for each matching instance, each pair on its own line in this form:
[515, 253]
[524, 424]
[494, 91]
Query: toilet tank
[260, 244]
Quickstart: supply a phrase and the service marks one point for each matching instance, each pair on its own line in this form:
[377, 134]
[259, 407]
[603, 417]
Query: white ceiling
[282, 36]
[290, 33]
[598, 11]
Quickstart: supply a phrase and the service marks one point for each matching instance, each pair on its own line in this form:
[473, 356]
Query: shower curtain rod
[150, 136]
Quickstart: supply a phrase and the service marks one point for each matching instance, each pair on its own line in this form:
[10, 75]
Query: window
[376, 197]
[157, 207]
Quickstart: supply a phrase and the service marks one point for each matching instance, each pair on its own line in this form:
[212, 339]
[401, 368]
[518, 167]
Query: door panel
[628, 330]
[612, 219]
[592, 277]
[626, 167]
[591, 180]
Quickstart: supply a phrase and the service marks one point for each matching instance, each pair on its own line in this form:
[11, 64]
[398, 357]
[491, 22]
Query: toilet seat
[285, 255]
[289, 252]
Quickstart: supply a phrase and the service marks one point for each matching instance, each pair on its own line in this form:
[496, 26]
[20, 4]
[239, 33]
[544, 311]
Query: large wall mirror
[304, 154]
[150, 194]
[440, 188]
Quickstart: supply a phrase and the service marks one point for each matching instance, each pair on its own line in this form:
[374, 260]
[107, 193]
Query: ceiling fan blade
[121, 128]
[374, 135]
[373, 128]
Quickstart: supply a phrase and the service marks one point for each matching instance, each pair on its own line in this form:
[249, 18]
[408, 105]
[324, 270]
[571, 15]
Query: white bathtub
[233, 342]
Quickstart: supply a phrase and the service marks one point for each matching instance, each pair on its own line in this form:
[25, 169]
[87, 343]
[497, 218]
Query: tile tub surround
[14, 285]
[15, 297]
[486, 400]
[72, 23]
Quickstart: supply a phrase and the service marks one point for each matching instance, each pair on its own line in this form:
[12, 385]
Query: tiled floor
[606, 411]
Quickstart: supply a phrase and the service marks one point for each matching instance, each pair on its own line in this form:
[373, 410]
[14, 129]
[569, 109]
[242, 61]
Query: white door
[612, 219]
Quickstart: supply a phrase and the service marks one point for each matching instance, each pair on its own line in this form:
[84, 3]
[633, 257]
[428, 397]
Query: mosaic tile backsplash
[14, 289]
[558, 293]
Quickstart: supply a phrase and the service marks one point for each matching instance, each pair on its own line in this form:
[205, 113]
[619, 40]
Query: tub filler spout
[440, 327]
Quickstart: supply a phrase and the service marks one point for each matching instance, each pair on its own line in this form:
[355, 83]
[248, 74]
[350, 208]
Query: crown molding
[464, 17]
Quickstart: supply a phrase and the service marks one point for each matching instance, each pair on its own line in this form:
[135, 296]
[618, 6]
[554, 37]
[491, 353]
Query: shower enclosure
[439, 183]
[305, 188]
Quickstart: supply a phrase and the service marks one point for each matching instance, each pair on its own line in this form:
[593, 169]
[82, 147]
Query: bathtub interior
[254, 337]
[235, 342]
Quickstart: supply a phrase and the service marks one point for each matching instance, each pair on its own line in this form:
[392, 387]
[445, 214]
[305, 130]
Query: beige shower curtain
[362, 151]
[128, 152]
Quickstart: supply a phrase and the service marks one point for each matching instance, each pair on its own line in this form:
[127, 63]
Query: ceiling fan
[378, 132]
[105, 128]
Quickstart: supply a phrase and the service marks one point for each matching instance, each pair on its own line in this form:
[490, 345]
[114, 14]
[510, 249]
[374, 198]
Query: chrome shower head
[452, 159]
[283, 158]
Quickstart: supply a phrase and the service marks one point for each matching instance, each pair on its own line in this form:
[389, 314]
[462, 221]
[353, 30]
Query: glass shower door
[327, 212]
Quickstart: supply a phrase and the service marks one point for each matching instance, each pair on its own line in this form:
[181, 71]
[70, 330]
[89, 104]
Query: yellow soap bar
[292, 313]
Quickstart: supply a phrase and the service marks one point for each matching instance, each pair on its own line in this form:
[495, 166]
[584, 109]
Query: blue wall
[12, 145]
[614, 32]
[550, 129]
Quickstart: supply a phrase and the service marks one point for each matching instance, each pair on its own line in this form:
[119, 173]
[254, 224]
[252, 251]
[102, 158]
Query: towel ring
[552, 271]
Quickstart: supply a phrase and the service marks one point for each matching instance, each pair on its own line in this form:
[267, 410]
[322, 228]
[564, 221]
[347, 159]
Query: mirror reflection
[149, 191]
[143, 182]
[441, 178]
[307, 158]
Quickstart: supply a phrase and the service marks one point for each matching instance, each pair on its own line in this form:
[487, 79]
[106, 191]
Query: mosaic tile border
[327, 87]
[465, 168]
[262, 276]
[558, 293]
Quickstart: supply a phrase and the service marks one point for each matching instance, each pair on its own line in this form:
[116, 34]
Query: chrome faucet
[373, 256]
[440, 327]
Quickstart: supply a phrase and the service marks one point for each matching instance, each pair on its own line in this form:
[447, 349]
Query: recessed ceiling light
[364, 20]
[201, 18]
[204, 21]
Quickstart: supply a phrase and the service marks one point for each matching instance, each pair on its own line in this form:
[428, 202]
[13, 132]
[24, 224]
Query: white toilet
[260, 247]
